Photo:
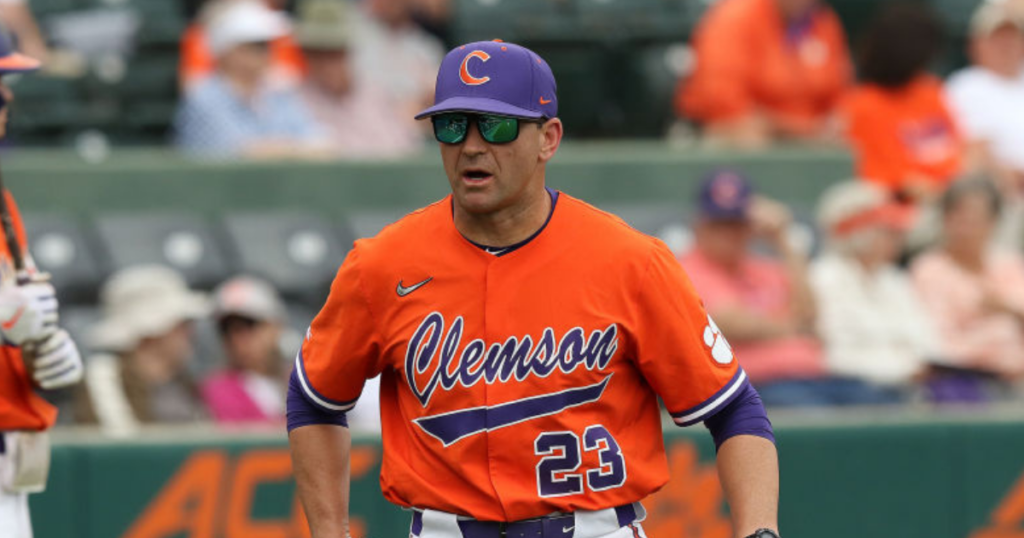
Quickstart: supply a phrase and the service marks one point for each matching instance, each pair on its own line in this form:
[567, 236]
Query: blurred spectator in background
[871, 322]
[397, 56]
[197, 60]
[237, 111]
[974, 291]
[766, 70]
[18, 18]
[356, 116]
[902, 133]
[988, 101]
[763, 306]
[141, 374]
[250, 319]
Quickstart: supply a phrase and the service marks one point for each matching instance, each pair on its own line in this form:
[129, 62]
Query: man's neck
[507, 226]
[1005, 72]
[245, 87]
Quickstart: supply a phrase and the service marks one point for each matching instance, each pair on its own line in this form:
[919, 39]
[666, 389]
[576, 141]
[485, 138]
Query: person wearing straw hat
[359, 120]
[144, 338]
[28, 321]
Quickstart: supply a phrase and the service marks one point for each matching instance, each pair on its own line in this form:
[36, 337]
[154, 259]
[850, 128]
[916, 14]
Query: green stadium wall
[602, 173]
[930, 479]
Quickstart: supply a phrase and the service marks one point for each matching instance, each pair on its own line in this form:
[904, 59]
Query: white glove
[27, 312]
[57, 362]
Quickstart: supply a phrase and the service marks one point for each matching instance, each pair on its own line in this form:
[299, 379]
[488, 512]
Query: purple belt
[545, 527]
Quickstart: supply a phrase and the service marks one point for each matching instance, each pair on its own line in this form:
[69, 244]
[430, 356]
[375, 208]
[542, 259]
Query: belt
[562, 526]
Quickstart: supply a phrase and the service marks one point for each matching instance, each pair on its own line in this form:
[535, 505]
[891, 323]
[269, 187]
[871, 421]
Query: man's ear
[550, 138]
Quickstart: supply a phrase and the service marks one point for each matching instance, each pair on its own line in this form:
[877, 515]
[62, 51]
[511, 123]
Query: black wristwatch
[764, 533]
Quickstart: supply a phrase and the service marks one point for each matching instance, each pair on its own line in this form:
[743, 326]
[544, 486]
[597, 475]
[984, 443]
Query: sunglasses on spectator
[452, 128]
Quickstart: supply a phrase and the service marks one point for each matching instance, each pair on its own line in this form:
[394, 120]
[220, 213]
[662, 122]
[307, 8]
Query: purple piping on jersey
[745, 415]
[301, 411]
[505, 250]
[710, 406]
[320, 400]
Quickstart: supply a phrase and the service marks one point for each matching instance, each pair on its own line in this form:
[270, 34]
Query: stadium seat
[184, 242]
[664, 221]
[370, 223]
[298, 253]
[66, 249]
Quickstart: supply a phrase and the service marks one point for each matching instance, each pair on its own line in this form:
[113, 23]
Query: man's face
[486, 177]
[724, 241]
[970, 221]
[329, 71]
[249, 60]
[1001, 51]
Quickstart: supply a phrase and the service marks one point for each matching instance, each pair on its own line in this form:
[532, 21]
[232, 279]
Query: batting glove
[27, 312]
[57, 363]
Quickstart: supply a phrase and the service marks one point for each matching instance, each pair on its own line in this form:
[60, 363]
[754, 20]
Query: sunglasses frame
[478, 117]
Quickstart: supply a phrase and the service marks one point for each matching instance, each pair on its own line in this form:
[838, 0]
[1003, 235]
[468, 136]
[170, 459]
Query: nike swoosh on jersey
[406, 290]
[454, 426]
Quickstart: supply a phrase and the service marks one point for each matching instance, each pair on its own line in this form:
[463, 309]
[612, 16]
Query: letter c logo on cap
[464, 74]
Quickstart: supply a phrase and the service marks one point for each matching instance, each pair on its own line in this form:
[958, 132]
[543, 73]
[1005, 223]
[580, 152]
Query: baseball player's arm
[320, 458]
[748, 468]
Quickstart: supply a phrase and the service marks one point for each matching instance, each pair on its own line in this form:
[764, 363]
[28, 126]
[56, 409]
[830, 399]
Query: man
[987, 99]
[240, 111]
[523, 338]
[359, 120]
[28, 322]
[764, 305]
[766, 70]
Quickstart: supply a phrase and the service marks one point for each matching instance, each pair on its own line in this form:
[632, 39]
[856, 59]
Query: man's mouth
[476, 175]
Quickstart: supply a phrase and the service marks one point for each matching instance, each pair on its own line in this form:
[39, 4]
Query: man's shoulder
[608, 228]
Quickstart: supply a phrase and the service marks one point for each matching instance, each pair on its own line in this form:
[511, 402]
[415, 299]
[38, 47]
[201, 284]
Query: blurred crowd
[339, 79]
[146, 368]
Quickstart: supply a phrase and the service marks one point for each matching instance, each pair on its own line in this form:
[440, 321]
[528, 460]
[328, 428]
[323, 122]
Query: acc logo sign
[464, 73]
[721, 351]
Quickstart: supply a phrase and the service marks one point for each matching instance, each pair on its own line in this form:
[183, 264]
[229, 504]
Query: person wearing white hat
[987, 99]
[239, 112]
[145, 343]
[250, 319]
[870, 320]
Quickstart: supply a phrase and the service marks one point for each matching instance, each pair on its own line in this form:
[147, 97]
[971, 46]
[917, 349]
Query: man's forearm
[748, 467]
[320, 458]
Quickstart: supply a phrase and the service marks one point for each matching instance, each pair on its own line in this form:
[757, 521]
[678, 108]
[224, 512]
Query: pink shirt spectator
[239, 397]
[973, 335]
[764, 286]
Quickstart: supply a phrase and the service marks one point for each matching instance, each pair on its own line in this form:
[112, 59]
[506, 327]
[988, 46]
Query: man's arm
[748, 467]
[320, 458]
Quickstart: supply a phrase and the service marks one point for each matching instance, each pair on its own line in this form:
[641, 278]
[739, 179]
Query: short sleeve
[679, 349]
[342, 346]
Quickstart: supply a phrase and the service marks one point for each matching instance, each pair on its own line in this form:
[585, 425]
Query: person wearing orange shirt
[901, 131]
[28, 321]
[198, 61]
[766, 69]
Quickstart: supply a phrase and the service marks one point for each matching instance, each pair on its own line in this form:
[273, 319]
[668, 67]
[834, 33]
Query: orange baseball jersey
[20, 407]
[903, 134]
[517, 386]
[748, 60]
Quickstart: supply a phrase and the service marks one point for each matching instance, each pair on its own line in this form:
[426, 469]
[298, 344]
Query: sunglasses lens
[450, 128]
[498, 129]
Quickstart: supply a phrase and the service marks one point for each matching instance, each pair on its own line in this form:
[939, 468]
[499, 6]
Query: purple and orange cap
[12, 61]
[494, 77]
